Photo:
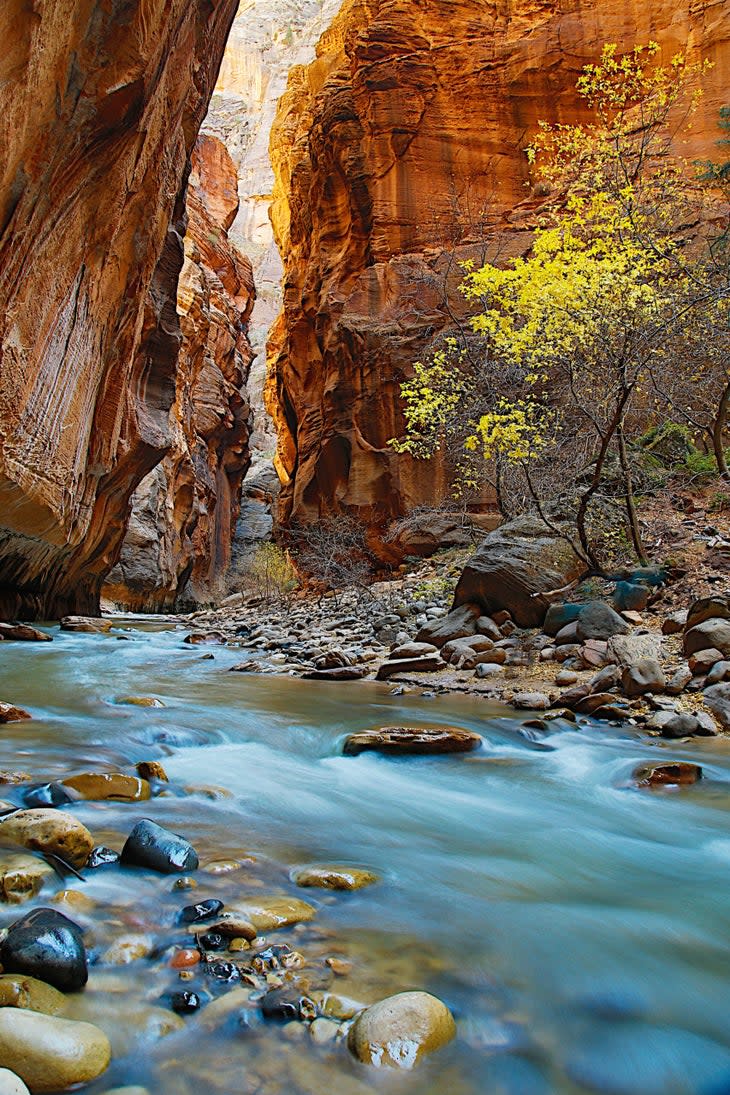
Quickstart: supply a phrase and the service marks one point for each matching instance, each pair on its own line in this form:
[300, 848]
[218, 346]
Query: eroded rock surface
[395, 153]
[100, 111]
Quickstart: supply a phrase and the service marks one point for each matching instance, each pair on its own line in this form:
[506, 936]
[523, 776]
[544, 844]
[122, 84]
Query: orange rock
[92, 215]
[399, 150]
[184, 959]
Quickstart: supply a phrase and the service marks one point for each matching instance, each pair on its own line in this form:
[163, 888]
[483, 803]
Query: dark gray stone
[598, 620]
[714, 632]
[459, 624]
[47, 945]
[151, 846]
[646, 675]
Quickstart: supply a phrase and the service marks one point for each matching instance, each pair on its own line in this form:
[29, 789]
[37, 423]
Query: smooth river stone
[149, 845]
[93, 624]
[46, 944]
[680, 773]
[52, 831]
[51, 1054]
[398, 1031]
[139, 701]
[98, 786]
[335, 878]
[269, 913]
[412, 739]
[21, 877]
[19, 991]
[11, 1083]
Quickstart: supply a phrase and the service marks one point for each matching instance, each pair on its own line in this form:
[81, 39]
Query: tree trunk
[633, 520]
[718, 432]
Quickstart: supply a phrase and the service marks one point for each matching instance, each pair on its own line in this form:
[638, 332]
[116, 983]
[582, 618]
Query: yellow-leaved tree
[587, 330]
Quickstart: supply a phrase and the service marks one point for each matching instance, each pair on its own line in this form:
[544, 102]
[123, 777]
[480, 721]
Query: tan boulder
[10, 713]
[335, 878]
[399, 1031]
[98, 786]
[52, 831]
[412, 739]
[19, 991]
[51, 1054]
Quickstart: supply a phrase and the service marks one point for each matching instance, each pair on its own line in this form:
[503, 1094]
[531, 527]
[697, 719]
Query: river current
[578, 928]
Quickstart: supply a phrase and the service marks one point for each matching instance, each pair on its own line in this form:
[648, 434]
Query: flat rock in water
[400, 1030]
[339, 673]
[431, 663]
[199, 638]
[10, 713]
[51, 1054]
[11, 1083]
[99, 786]
[269, 913]
[233, 924]
[47, 945]
[23, 633]
[52, 831]
[412, 739]
[677, 774]
[335, 878]
[20, 991]
[92, 624]
[139, 701]
[151, 846]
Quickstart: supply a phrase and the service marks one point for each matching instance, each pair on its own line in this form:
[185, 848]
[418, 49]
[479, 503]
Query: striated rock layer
[184, 513]
[101, 104]
[398, 151]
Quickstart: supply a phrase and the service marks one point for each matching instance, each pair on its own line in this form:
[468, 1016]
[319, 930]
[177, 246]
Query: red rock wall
[100, 105]
[178, 544]
[395, 152]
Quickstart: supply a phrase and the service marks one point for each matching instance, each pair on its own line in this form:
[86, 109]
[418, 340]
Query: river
[578, 928]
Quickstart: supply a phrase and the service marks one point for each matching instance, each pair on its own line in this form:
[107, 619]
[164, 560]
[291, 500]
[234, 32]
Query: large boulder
[46, 945]
[597, 620]
[516, 568]
[412, 739]
[399, 1031]
[51, 1054]
[709, 634]
[53, 832]
[460, 623]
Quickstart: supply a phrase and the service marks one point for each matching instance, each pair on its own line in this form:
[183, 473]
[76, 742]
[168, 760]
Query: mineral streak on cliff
[100, 107]
[395, 152]
[184, 513]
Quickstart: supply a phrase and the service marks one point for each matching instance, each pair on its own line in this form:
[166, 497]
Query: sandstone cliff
[396, 152]
[184, 513]
[101, 105]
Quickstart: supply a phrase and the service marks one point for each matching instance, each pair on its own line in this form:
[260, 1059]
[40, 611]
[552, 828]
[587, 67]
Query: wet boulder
[91, 624]
[23, 633]
[202, 910]
[47, 945]
[51, 1054]
[412, 739]
[21, 877]
[99, 786]
[676, 774]
[20, 991]
[399, 1031]
[53, 832]
[150, 845]
[266, 914]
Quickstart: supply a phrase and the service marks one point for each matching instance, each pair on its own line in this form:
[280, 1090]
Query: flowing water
[578, 928]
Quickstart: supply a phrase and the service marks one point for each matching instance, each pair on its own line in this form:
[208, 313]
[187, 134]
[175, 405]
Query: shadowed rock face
[100, 107]
[184, 513]
[395, 152]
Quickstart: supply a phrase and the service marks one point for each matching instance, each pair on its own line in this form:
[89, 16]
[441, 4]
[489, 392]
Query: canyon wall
[101, 105]
[397, 152]
[184, 513]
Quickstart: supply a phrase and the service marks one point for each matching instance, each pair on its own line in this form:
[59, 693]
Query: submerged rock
[47, 945]
[678, 774]
[399, 1031]
[151, 846]
[21, 877]
[152, 769]
[270, 913]
[102, 857]
[51, 1054]
[51, 831]
[139, 701]
[335, 878]
[412, 739]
